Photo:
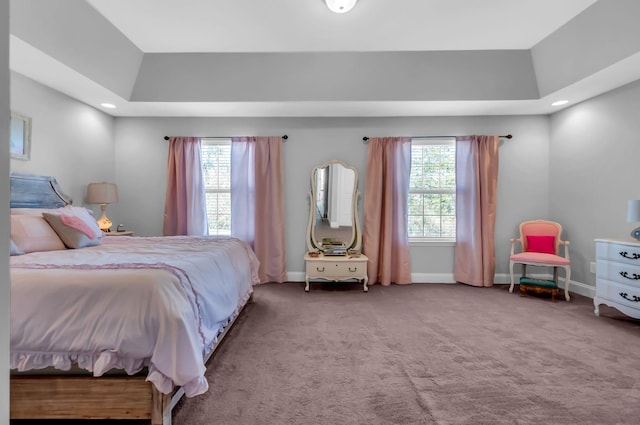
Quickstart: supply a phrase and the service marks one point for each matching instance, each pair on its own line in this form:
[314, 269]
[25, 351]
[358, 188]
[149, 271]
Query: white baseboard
[499, 279]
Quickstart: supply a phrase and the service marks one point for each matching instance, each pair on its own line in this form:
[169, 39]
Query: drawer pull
[355, 269]
[320, 269]
[634, 298]
[633, 276]
[634, 256]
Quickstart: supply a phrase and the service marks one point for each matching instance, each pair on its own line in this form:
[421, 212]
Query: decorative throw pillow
[15, 250]
[83, 213]
[73, 231]
[541, 243]
[31, 233]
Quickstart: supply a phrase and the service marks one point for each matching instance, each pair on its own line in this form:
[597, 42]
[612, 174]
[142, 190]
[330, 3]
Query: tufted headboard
[36, 191]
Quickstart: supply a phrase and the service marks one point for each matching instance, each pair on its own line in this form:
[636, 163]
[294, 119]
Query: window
[216, 167]
[432, 190]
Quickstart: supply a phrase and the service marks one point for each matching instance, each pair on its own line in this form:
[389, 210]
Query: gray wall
[141, 152]
[594, 151]
[575, 167]
[5, 292]
[69, 140]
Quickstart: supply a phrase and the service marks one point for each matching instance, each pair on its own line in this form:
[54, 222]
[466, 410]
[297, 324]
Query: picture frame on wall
[20, 136]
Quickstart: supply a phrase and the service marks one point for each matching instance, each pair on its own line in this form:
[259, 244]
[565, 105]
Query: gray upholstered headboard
[35, 191]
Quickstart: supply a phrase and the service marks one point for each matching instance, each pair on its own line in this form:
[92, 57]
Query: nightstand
[124, 233]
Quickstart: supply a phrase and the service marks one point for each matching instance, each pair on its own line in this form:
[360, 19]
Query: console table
[336, 268]
[618, 276]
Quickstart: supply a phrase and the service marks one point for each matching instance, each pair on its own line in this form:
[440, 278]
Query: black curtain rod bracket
[507, 136]
[285, 137]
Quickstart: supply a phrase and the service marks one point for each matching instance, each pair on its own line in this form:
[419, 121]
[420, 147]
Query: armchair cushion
[539, 258]
[541, 243]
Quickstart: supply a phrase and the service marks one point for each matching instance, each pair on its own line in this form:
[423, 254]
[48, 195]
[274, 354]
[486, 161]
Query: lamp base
[635, 233]
[103, 222]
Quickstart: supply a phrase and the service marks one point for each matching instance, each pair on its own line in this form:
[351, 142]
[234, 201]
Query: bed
[118, 327]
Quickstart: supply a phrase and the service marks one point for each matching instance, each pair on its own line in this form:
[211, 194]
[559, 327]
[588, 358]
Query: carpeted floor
[421, 354]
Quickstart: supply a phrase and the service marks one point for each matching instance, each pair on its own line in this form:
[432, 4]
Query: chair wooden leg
[567, 280]
[511, 275]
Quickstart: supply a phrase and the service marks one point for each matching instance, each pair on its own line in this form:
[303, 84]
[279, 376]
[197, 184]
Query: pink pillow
[31, 233]
[541, 243]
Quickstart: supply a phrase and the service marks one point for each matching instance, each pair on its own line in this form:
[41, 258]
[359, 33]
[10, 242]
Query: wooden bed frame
[84, 396]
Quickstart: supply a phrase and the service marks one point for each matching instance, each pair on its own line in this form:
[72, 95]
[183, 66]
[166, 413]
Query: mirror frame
[356, 238]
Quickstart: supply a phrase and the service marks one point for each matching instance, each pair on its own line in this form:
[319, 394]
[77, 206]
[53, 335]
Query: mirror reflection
[333, 197]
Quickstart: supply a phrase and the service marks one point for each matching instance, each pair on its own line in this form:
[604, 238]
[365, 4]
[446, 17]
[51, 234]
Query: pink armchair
[540, 241]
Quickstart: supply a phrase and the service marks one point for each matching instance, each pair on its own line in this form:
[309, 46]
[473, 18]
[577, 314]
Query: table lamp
[104, 194]
[633, 216]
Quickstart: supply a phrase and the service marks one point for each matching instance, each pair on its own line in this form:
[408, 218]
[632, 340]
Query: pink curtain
[185, 211]
[476, 181]
[257, 201]
[385, 234]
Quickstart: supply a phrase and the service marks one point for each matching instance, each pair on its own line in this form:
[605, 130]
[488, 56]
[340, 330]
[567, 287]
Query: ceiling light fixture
[108, 105]
[560, 102]
[340, 6]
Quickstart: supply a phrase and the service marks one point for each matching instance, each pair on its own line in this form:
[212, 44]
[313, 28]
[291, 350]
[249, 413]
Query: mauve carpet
[420, 354]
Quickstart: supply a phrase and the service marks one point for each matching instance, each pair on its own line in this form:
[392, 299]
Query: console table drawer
[339, 269]
[336, 269]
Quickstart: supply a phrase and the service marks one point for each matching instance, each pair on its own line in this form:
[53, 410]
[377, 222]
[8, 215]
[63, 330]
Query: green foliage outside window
[216, 168]
[432, 190]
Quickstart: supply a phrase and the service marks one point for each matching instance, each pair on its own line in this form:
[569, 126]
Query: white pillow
[31, 233]
[15, 250]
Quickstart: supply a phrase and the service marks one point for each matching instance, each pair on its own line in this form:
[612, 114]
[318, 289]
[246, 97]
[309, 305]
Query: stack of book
[332, 246]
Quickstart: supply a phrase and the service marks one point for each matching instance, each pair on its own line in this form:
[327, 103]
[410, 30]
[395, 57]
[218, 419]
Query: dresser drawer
[623, 273]
[618, 252]
[618, 293]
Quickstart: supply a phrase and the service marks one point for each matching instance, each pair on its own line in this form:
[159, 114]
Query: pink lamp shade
[102, 193]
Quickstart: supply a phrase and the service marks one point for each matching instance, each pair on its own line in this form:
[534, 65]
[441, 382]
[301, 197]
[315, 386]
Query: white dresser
[336, 268]
[618, 275]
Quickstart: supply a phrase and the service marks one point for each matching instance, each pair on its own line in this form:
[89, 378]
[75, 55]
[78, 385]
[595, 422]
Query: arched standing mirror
[333, 213]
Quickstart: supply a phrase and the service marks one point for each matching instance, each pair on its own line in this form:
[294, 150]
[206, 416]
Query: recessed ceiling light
[560, 102]
[340, 6]
[108, 105]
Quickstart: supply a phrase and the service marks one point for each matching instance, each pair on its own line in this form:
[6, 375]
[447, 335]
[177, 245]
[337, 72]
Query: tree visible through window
[432, 189]
[216, 167]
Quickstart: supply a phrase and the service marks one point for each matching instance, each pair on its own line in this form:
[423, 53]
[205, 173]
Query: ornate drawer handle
[633, 298]
[355, 269]
[319, 269]
[626, 275]
[634, 256]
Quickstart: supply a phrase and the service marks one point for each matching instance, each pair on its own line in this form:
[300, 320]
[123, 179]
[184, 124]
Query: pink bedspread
[158, 302]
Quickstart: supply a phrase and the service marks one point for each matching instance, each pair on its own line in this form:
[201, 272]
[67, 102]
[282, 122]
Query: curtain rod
[507, 136]
[285, 137]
